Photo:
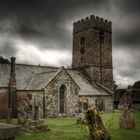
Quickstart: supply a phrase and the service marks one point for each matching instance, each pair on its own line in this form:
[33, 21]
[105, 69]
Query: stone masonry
[108, 102]
[52, 104]
[92, 49]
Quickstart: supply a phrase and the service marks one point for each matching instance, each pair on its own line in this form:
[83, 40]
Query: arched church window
[62, 95]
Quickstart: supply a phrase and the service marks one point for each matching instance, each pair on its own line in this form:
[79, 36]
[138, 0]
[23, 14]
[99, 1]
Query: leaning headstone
[95, 124]
[8, 131]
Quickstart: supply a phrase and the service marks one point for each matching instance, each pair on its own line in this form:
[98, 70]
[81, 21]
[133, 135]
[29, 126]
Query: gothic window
[100, 104]
[62, 93]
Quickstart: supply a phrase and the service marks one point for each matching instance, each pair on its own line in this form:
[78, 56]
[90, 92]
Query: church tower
[92, 49]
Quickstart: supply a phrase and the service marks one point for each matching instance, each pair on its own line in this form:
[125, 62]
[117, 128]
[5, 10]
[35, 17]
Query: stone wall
[108, 102]
[52, 95]
[3, 102]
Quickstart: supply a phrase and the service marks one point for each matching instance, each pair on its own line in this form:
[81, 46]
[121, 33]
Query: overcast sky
[40, 32]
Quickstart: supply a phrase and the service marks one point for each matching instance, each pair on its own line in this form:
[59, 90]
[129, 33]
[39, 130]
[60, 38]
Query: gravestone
[83, 106]
[22, 112]
[95, 124]
[36, 123]
[127, 119]
[8, 131]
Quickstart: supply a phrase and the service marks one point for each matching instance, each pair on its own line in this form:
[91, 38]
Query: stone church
[59, 91]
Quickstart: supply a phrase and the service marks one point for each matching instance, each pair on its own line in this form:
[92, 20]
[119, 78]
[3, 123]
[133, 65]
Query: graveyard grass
[67, 129]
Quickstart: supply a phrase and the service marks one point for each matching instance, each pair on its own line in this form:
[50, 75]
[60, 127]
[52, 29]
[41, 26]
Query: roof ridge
[44, 72]
[33, 65]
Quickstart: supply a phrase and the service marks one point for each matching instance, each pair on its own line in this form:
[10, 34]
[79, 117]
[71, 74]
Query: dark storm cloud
[127, 31]
[128, 38]
[43, 20]
[129, 6]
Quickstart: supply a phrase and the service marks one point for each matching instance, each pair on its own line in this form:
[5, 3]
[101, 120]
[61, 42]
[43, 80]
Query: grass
[66, 129]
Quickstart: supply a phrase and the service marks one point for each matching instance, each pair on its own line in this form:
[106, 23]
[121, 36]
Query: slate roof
[29, 77]
[39, 80]
[86, 88]
[24, 74]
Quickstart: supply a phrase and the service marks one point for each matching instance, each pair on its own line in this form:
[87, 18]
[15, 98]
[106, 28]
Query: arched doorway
[62, 95]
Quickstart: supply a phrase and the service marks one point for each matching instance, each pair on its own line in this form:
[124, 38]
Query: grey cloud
[129, 6]
[126, 64]
[128, 38]
[7, 49]
[128, 12]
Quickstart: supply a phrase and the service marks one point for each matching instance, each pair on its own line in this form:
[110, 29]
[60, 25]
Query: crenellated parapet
[92, 22]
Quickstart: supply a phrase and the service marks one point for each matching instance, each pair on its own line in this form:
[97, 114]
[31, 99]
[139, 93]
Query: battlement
[92, 22]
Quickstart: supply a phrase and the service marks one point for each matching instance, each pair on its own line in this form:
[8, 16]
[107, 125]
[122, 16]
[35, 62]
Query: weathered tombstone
[36, 115]
[30, 106]
[127, 119]
[36, 123]
[83, 106]
[95, 124]
[22, 112]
